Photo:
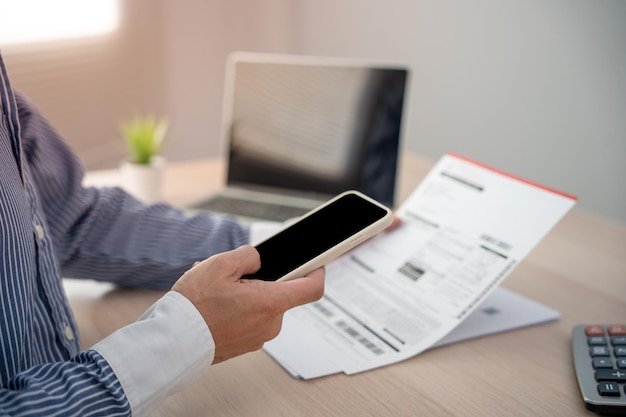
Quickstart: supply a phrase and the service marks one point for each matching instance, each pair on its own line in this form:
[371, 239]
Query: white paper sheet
[465, 228]
[503, 310]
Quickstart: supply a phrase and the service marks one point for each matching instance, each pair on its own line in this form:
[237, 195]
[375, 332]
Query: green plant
[144, 137]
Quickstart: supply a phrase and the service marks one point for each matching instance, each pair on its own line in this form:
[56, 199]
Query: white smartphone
[320, 236]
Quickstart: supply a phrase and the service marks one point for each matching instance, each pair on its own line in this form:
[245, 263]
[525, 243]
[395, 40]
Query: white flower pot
[144, 181]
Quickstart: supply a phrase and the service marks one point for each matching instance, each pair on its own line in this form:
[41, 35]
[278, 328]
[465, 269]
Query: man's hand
[243, 314]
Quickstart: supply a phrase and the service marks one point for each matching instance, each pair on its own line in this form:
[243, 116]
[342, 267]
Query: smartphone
[320, 236]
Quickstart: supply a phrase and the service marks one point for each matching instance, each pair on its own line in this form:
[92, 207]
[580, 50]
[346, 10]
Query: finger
[237, 262]
[397, 221]
[247, 259]
[301, 290]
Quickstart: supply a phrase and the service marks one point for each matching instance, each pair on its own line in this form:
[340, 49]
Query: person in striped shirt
[51, 226]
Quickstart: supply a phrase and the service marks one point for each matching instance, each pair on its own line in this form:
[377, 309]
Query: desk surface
[578, 269]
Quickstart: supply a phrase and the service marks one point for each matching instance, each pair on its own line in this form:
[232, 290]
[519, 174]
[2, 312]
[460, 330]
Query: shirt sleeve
[129, 372]
[167, 349]
[83, 386]
[106, 234]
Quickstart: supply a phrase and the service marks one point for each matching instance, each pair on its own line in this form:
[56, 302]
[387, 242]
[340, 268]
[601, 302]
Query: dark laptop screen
[313, 125]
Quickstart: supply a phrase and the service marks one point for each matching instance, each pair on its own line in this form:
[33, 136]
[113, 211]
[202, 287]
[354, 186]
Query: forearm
[134, 368]
[167, 349]
[123, 241]
[84, 386]
[105, 233]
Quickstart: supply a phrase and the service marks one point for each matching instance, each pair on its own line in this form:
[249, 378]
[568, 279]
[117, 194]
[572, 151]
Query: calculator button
[618, 340]
[620, 351]
[596, 341]
[608, 389]
[617, 330]
[602, 362]
[610, 375]
[621, 363]
[594, 330]
[599, 351]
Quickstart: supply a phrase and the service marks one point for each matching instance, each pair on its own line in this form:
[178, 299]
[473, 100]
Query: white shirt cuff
[167, 349]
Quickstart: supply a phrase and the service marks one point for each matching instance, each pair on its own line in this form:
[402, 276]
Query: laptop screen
[316, 126]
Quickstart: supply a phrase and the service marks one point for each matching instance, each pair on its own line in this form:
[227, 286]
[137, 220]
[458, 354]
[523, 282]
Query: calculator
[600, 362]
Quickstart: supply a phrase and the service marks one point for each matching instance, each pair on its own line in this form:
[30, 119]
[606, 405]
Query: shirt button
[69, 333]
[40, 232]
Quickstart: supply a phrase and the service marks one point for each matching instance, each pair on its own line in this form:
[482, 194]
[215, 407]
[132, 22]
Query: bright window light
[28, 21]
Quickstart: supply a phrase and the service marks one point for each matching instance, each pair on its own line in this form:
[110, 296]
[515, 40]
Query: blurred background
[533, 87]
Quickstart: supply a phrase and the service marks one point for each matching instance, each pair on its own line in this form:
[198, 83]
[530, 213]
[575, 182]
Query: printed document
[464, 229]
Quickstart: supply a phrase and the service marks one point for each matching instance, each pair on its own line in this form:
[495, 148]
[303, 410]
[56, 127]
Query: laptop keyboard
[252, 209]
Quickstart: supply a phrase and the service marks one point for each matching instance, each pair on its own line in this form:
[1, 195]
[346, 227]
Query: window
[30, 21]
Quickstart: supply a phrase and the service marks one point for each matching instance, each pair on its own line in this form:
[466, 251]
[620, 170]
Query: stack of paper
[464, 229]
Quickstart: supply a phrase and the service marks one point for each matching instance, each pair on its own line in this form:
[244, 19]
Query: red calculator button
[594, 330]
[617, 330]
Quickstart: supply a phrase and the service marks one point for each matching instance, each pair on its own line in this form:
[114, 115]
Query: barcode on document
[412, 271]
[356, 335]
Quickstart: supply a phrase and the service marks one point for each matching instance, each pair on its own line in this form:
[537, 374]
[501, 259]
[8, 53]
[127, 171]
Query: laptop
[298, 130]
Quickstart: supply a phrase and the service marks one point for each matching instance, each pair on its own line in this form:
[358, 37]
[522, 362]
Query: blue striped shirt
[51, 226]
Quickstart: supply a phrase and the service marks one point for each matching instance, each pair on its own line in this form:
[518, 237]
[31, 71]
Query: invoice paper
[464, 229]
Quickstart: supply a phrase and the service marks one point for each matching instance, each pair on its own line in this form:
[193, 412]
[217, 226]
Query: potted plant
[142, 172]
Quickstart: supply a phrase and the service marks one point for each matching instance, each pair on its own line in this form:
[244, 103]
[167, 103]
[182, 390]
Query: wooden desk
[579, 269]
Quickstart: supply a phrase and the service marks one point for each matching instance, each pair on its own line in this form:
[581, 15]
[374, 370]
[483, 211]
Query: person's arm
[83, 386]
[167, 349]
[210, 315]
[171, 345]
[108, 235]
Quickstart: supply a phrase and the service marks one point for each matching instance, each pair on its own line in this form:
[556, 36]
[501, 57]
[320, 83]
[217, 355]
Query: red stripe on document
[506, 174]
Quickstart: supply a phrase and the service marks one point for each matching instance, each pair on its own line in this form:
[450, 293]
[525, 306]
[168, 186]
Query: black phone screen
[315, 234]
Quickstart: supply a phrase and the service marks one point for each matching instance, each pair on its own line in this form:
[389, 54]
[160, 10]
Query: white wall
[534, 87]
[200, 34]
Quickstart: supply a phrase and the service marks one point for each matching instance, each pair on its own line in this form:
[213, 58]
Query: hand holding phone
[320, 236]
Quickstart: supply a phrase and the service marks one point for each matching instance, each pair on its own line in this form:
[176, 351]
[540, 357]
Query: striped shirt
[51, 226]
